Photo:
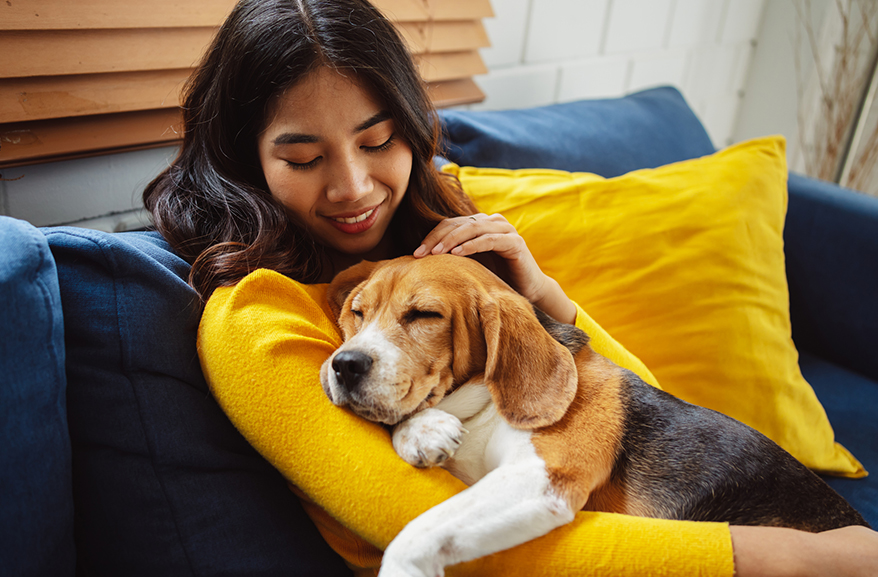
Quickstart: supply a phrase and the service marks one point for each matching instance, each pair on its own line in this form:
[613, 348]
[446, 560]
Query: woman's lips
[355, 224]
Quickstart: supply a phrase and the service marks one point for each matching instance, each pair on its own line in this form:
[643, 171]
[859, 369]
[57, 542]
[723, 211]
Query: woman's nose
[350, 180]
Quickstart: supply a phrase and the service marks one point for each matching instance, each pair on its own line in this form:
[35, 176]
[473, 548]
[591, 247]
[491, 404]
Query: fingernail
[438, 248]
[421, 251]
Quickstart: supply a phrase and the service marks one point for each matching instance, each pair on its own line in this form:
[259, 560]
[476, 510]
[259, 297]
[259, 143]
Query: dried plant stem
[825, 129]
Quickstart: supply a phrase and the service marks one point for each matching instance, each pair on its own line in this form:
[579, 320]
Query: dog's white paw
[428, 438]
[403, 558]
[394, 568]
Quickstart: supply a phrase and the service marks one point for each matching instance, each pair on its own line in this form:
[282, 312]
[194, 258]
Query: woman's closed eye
[383, 146]
[386, 145]
[304, 165]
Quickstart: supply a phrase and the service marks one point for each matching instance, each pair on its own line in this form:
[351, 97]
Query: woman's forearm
[556, 303]
[779, 552]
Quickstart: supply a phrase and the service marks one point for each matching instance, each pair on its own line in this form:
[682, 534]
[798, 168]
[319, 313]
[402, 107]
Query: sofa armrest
[36, 504]
[831, 247]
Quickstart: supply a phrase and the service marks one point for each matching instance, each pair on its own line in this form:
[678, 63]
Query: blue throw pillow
[163, 483]
[606, 137]
[36, 503]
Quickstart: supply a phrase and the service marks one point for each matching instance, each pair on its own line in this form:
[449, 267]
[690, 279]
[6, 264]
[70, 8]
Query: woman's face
[332, 155]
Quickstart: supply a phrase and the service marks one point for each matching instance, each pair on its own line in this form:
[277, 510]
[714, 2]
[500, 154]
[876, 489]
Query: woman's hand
[480, 233]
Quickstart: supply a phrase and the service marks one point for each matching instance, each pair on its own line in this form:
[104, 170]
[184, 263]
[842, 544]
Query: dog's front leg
[512, 504]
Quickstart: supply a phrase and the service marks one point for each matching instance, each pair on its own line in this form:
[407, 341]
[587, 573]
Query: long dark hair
[213, 204]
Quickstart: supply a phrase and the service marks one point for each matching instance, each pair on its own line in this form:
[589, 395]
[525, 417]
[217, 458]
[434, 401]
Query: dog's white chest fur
[489, 442]
[465, 424]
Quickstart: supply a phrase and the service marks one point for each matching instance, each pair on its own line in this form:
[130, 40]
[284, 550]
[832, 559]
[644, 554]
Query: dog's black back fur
[724, 471]
[691, 463]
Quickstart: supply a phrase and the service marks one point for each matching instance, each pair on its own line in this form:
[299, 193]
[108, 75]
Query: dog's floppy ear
[531, 376]
[346, 281]
[469, 347]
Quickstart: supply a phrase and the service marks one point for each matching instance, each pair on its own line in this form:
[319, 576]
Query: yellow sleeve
[261, 345]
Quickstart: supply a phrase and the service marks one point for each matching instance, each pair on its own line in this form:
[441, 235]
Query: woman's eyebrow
[294, 138]
[375, 119]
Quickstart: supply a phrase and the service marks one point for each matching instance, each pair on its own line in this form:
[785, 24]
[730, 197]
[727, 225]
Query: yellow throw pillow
[684, 266]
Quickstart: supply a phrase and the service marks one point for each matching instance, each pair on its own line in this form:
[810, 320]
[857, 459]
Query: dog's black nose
[350, 367]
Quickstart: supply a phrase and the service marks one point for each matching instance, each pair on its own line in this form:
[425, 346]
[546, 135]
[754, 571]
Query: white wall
[770, 103]
[547, 51]
[543, 51]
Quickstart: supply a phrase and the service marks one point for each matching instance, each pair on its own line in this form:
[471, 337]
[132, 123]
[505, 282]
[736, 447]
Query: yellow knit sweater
[261, 344]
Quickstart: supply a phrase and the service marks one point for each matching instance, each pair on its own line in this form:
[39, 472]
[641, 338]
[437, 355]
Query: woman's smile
[357, 222]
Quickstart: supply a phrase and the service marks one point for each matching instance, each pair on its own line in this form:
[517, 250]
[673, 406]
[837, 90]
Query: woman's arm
[261, 345]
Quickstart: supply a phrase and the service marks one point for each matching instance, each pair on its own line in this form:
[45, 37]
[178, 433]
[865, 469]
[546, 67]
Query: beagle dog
[540, 426]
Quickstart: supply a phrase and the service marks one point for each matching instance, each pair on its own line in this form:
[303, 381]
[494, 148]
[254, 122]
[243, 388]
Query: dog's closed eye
[419, 314]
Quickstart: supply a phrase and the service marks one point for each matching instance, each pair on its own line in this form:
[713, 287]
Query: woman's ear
[531, 376]
[346, 281]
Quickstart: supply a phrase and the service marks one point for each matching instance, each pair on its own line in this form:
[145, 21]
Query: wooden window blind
[86, 77]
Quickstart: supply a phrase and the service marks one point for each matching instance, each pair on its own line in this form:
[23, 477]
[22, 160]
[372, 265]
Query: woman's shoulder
[266, 296]
[268, 285]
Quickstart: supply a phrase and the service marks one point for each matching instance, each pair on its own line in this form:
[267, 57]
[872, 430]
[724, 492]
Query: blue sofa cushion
[163, 484]
[607, 137]
[36, 504]
[850, 400]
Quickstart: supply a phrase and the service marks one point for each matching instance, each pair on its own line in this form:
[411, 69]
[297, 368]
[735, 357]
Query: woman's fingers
[438, 241]
[469, 234]
[483, 243]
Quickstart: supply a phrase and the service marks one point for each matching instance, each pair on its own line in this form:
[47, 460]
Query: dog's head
[416, 328]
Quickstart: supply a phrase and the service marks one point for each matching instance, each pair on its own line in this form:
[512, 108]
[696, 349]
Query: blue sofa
[117, 461]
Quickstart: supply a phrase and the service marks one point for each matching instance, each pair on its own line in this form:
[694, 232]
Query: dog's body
[539, 425]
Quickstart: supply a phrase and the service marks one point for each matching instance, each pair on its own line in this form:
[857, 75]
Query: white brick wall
[548, 51]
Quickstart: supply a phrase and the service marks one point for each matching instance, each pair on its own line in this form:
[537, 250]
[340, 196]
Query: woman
[308, 146]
